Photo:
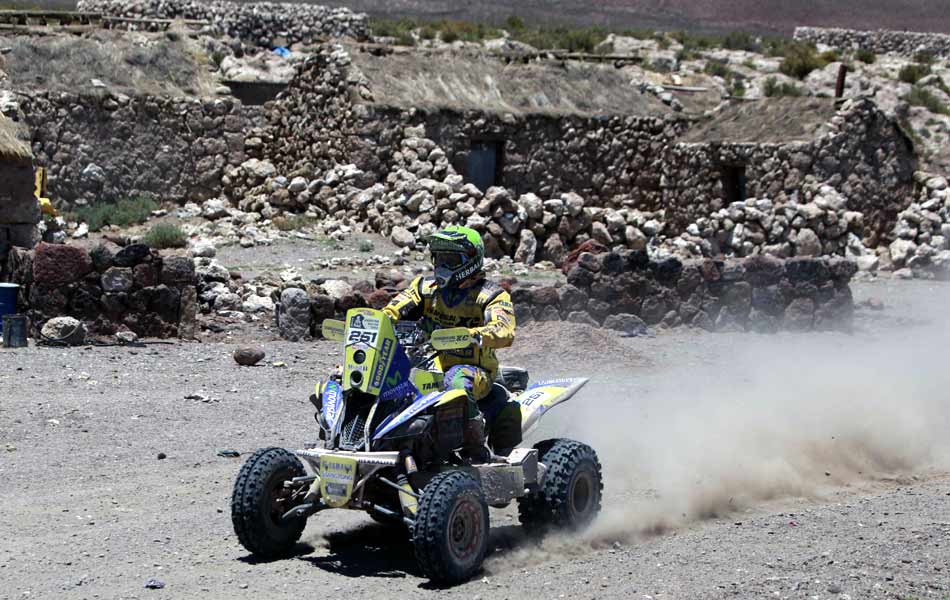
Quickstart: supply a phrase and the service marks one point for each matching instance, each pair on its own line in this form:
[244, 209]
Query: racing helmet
[458, 256]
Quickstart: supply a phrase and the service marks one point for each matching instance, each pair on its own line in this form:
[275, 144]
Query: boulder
[527, 247]
[203, 248]
[117, 279]
[132, 255]
[626, 323]
[56, 264]
[214, 209]
[65, 330]
[249, 356]
[256, 304]
[402, 237]
[293, 316]
[178, 270]
[337, 288]
[807, 243]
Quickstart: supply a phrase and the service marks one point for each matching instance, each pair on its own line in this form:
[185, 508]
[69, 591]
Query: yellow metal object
[426, 381]
[39, 191]
[337, 474]
[370, 346]
[408, 501]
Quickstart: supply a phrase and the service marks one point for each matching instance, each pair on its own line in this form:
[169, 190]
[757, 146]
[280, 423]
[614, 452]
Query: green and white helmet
[458, 256]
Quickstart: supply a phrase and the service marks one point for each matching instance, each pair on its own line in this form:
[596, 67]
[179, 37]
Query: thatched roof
[11, 147]
[767, 121]
[460, 81]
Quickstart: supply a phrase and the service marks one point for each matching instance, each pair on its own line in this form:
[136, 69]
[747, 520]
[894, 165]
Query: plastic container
[8, 295]
[15, 328]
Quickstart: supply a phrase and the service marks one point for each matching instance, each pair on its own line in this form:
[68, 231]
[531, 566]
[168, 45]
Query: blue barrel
[8, 294]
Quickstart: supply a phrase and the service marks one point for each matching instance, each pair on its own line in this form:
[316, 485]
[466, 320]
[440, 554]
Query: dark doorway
[255, 93]
[484, 163]
[734, 183]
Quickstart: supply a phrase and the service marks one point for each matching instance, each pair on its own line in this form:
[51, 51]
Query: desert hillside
[762, 16]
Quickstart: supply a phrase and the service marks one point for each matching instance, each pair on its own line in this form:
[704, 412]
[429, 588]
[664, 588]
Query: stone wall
[623, 181]
[19, 210]
[921, 246]
[266, 24]
[863, 159]
[904, 43]
[627, 291]
[105, 147]
[110, 289]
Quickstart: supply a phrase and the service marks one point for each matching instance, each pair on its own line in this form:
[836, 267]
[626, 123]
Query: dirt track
[89, 511]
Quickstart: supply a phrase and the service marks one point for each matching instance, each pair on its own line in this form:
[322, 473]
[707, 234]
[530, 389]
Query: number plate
[337, 475]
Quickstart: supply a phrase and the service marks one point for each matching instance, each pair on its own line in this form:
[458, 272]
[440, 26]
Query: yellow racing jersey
[485, 309]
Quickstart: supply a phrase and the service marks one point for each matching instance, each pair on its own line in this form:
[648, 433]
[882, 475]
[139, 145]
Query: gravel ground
[112, 476]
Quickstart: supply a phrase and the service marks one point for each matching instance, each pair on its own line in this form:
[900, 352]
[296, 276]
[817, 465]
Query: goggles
[449, 260]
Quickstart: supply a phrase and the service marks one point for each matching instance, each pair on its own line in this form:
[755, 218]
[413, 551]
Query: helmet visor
[447, 260]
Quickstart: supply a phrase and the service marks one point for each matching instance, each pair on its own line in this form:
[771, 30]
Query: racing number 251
[362, 337]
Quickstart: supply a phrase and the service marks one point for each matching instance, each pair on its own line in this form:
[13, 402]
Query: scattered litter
[162, 456]
[228, 453]
[278, 364]
[154, 584]
[202, 398]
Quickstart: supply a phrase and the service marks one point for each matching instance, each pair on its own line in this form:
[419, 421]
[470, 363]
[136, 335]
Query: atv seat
[515, 379]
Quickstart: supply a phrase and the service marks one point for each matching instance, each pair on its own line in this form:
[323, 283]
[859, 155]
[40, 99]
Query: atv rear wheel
[571, 494]
[259, 500]
[450, 534]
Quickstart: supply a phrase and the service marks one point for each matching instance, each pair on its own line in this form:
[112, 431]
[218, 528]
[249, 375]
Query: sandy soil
[736, 465]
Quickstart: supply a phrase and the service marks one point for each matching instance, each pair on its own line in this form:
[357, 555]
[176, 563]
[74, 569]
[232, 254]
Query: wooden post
[842, 75]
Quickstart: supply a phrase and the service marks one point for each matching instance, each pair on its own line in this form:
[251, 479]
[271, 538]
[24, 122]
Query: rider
[459, 295]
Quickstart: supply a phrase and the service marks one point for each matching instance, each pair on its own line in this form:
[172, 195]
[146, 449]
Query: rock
[626, 323]
[178, 271]
[800, 315]
[901, 251]
[532, 205]
[188, 313]
[117, 279]
[203, 248]
[378, 299]
[579, 316]
[868, 263]
[807, 243]
[56, 264]
[599, 232]
[227, 301]
[527, 247]
[293, 317]
[402, 237]
[65, 330]
[126, 337]
[571, 298]
[635, 238]
[297, 185]
[545, 296]
[573, 203]
[81, 231]
[261, 169]
[102, 256]
[256, 304]
[214, 209]
[249, 356]
[554, 250]
[337, 288]
[132, 255]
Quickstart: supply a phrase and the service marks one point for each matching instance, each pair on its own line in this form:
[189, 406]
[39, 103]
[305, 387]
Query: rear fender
[543, 396]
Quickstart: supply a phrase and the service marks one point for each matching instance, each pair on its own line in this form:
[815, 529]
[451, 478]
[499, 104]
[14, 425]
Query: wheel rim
[279, 499]
[465, 530]
[582, 495]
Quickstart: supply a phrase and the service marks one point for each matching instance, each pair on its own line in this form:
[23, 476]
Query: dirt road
[736, 466]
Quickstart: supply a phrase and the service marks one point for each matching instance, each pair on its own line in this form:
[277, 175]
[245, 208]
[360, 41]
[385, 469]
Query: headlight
[356, 378]
[359, 357]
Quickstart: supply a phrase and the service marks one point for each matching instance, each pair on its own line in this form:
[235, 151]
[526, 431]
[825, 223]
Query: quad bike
[392, 441]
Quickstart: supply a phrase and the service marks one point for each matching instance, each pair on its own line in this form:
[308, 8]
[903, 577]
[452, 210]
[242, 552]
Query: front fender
[421, 404]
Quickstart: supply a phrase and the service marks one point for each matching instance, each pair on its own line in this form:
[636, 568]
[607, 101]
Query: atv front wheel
[260, 499]
[571, 493]
[450, 534]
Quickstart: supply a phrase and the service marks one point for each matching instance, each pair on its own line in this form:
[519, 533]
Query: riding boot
[474, 441]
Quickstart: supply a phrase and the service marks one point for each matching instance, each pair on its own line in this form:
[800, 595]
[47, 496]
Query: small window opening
[734, 183]
[485, 158]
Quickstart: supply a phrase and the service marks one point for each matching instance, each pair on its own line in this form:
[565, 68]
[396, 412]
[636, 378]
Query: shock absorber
[409, 501]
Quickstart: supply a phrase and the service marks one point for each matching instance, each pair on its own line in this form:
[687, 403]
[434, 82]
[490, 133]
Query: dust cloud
[735, 420]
